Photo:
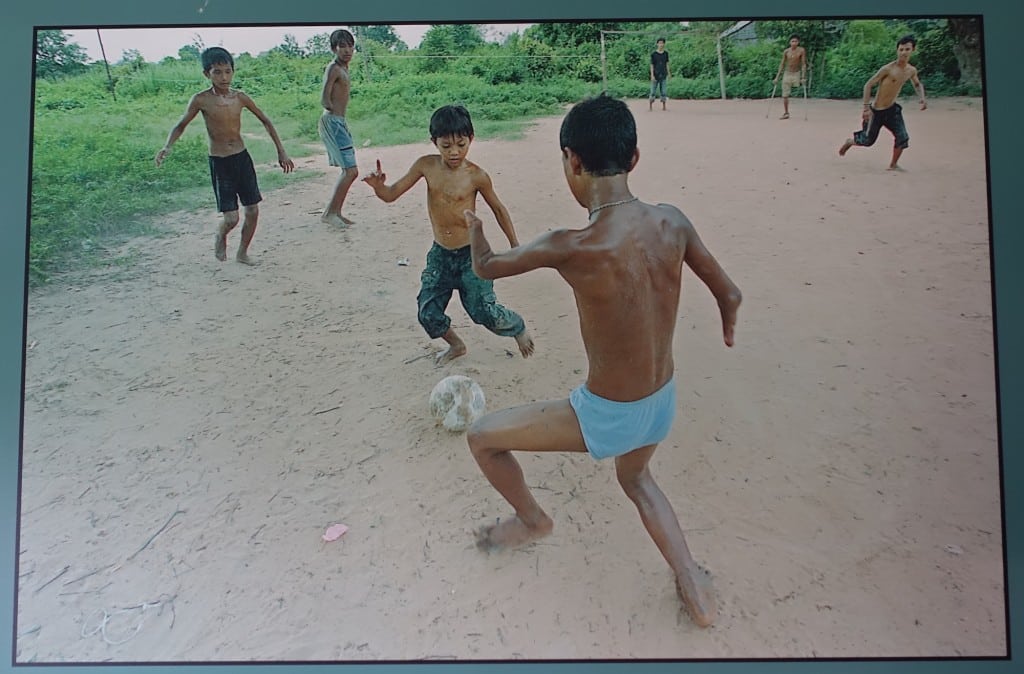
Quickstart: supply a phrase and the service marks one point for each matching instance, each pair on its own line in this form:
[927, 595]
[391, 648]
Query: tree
[289, 47]
[967, 47]
[189, 53]
[193, 51]
[318, 45]
[381, 34]
[56, 57]
[560, 35]
[815, 36]
[446, 40]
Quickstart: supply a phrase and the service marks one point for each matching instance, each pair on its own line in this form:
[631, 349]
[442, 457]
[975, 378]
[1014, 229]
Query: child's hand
[471, 219]
[866, 114]
[286, 163]
[376, 177]
[161, 155]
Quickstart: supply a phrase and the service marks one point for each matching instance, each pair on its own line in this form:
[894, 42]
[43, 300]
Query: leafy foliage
[56, 57]
[93, 175]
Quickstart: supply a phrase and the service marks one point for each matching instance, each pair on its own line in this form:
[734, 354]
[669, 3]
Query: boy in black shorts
[231, 167]
[885, 111]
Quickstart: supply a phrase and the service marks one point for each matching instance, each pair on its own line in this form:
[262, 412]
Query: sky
[157, 43]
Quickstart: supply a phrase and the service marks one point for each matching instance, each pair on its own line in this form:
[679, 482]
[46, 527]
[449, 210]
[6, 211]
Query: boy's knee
[230, 218]
[476, 436]
[630, 479]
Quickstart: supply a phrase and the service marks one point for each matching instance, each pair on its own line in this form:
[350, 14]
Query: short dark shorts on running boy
[234, 180]
[892, 119]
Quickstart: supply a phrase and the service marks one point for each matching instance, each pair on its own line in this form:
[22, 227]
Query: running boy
[886, 112]
[625, 269]
[453, 183]
[659, 72]
[794, 62]
[333, 127]
[231, 167]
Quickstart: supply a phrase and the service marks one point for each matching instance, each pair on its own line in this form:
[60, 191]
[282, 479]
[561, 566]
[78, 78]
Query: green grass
[94, 182]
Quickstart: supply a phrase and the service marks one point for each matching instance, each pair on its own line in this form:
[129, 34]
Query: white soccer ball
[456, 402]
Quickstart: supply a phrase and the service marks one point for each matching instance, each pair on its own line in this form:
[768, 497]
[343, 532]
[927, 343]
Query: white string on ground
[101, 628]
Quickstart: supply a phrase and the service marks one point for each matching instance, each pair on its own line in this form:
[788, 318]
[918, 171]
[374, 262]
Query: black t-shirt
[660, 63]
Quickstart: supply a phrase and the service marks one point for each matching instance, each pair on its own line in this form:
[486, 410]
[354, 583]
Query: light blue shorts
[337, 139]
[612, 428]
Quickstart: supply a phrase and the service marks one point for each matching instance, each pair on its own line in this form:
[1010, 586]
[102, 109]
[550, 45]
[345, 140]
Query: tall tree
[381, 34]
[967, 47]
[443, 41]
[55, 56]
[289, 47]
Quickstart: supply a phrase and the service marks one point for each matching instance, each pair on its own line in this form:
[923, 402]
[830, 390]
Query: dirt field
[192, 427]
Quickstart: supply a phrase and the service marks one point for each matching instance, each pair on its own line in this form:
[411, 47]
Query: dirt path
[192, 427]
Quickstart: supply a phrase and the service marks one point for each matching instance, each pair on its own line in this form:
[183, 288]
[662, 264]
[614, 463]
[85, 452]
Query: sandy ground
[193, 427]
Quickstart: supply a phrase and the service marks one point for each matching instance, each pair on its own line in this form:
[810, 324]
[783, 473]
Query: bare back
[625, 271]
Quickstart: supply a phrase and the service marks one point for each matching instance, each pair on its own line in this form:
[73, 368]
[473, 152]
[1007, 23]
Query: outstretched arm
[548, 250]
[484, 186]
[193, 108]
[707, 269]
[388, 193]
[282, 157]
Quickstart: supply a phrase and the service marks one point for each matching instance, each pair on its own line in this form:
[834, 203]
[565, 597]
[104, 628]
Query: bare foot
[846, 146]
[220, 245]
[512, 533]
[895, 167]
[346, 220]
[334, 219]
[450, 354]
[698, 595]
[525, 342]
[245, 259]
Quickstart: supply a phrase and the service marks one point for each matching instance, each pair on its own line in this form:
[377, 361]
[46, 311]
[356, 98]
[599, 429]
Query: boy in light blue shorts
[625, 269]
[333, 128]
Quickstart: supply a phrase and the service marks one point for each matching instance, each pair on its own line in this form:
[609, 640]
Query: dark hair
[908, 38]
[451, 120]
[602, 131]
[794, 35]
[340, 37]
[660, 39]
[215, 55]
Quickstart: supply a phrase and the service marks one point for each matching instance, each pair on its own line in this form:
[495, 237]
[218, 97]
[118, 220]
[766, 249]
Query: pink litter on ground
[334, 532]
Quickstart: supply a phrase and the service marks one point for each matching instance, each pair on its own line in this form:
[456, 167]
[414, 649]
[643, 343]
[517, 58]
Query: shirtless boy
[794, 63]
[453, 183]
[332, 125]
[886, 112]
[625, 269]
[231, 167]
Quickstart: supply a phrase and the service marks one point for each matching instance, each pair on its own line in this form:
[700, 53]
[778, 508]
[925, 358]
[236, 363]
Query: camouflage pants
[450, 270]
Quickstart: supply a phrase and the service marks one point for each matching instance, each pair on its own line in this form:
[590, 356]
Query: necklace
[610, 204]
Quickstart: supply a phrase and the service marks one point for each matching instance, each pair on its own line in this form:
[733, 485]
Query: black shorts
[892, 119]
[234, 179]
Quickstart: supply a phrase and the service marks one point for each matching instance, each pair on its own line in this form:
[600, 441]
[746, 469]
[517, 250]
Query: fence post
[604, 65]
[721, 67]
